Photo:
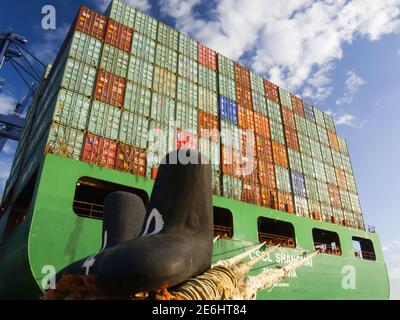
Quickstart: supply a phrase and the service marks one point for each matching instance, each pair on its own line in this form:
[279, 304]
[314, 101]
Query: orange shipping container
[208, 126]
[243, 96]
[207, 57]
[341, 179]
[231, 161]
[131, 159]
[261, 125]
[91, 23]
[280, 155]
[333, 140]
[297, 105]
[99, 150]
[271, 91]
[288, 118]
[246, 118]
[264, 148]
[269, 197]
[242, 76]
[292, 139]
[110, 89]
[266, 174]
[285, 202]
[248, 144]
[251, 193]
[119, 35]
[334, 195]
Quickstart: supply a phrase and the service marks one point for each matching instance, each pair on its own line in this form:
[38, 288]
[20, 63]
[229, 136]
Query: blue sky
[344, 56]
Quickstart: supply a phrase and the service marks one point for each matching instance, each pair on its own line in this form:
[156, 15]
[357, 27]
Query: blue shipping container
[299, 185]
[308, 111]
[228, 110]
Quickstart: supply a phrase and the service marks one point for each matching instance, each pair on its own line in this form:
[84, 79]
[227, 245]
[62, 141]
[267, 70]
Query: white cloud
[143, 5]
[7, 103]
[294, 43]
[347, 119]
[9, 147]
[353, 83]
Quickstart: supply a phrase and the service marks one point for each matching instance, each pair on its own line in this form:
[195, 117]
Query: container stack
[126, 89]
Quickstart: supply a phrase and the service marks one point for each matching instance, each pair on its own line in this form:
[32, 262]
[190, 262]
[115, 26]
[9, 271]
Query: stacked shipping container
[126, 89]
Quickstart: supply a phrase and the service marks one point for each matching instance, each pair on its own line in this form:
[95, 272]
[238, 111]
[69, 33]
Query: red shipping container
[271, 91]
[269, 197]
[246, 118]
[285, 202]
[208, 126]
[110, 89]
[231, 161]
[131, 159]
[99, 150]
[333, 140]
[242, 76]
[185, 140]
[280, 155]
[297, 105]
[341, 179]
[207, 57]
[288, 118]
[251, 193]
[264, 148]
[91, 23]
[292, 139]
[266, 174]
[261, 125]
[243, 96]
[334, 195]
[119, 35]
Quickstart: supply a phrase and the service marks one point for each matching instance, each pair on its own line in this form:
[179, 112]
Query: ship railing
[275, 239]
[327, 248]
[366, 255]
[223, 231]
[88, 209]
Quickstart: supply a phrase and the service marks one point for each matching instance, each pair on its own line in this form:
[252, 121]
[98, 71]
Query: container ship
[121, 75]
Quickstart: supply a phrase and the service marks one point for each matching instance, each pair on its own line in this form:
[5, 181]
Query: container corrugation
[259, 103]
[338, 214]
[312, 130]
[227, 87]
[118, 35]
[243, 97]
[285, 98]
[288, 118]
[285, 202]
[308, 111]
[282, 179]
[164, 82]
[65, 141]
[228, 110]
[72, 109]
[319, 117]
[114, 60]
[162, 109]
[330, 174]
[211, 150]
[246, 118]
[269, 197]
[277, 132]
[301, 206]
[266, 173]
[319, 169]
[110, 89]
[186, 118]
[343, 146]
[208, 101]
[311, 188]
[333, 141]
[85, 48]
[345, 199]
[301, 124]
[335, 196]
[304, 143]
[79, 77]
[251, 193]
[207, 78]
[326, 211]
[134, 130]
[297, 104]
[230, 160]
[167, 36]
[91, 22]
[99, 151]
[326, 154]
[248, 145]
[263, 148]
[166, 58]
[329, 122]
[207, 57]
[355, 202]
[351, 184]
[143, 47]
[137, 99]
[323, 136]
[271, 91]
[104, 120]
[315, 208]
[187, 68]
[257, 84]
[131, 159]
[187, 92]
[294, 160]
[298, 184]
[216, 182]
[261, 125]
[122, 12]
[242, 76]
[232, 187]
[226, 67]
[279, 153]
[230, 134]
[160, 141]
[316, 149]
[341, 178]
[274, 111]
[188, 46]
[292, 139]
[146, 25]
[208, 126]
[308, 165]
[346, 163]
[140, 72]
[337, 159]
[186, 140]
[323, 192]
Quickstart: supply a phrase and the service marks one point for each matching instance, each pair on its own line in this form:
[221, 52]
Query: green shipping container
[208, 101]
[227, 87]
[323, 192]
[345, 199]
[326, 211]
[72, 109]
[277, 132]
[211, 150]
[188, 46]
[329, 122]
[230, 135]
[164, 82]
[337, 159]
[226, 67]
[104, 120]
[143, 47]
[168, 36]
[160, 142]
[140, 72]
[162, 109]
[232, 187]
[319, 170]
[308, 165]
[301, 206]
[319, 117]
[314, 206]
[304, 143]
[114, 61]
[346, 163]
[187, 92]
[207, 78]
[295, 160]
[137, 99]
[286, 98]
[316, 149]
[351, 183]
[146, 25]
[338, 214]
[311, 188]
[134, 130]
[122, 13]
[312, 131]
[301, 124]
[187, 68]
[343, 146]
[260, 103]
[323, 136]
[330, 174]
[282, 179]
[79, 77]
[65, 141]
[355, 202]
[166, 58]
[186, 118]
[274, 111]
[326, 154]
[85, 48]
[257, 83]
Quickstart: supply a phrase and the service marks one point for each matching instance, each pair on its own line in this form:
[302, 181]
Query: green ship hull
[54, 235]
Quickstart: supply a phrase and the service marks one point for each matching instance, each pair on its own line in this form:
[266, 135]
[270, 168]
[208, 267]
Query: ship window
[364, 248]
[326, 241]
[223, 223]
[276, 232]
[90, 194]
